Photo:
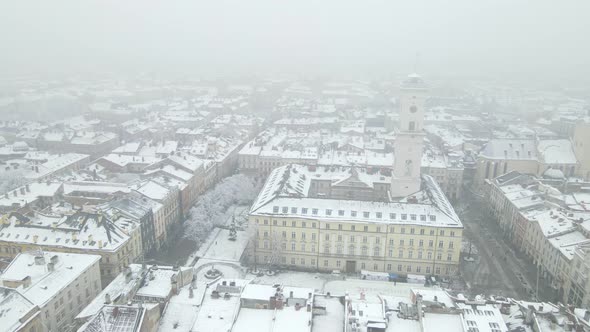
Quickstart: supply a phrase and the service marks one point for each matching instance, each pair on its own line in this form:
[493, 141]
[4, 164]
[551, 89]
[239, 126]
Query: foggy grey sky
[305, 37]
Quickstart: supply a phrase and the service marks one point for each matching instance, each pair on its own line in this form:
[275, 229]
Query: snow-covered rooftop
[46, 283]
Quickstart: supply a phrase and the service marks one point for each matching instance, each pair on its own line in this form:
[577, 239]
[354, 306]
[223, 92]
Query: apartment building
[118, 242]
[59, 284]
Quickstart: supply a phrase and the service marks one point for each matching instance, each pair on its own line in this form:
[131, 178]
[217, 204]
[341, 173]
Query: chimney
[28, 188]
[587, 315]
[291, 294]
[99, 244]
[22, 190]
[74, 237]
[89, 238]
[54, 259]
[191, 293]
[309, 296]
[26, 282]
[39, 259]
[35, 238]
[419, 308]
[107, 298]
[50, 267]
[309, 307]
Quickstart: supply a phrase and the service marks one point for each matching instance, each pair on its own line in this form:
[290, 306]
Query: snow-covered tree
[11, 179]
[214, 207]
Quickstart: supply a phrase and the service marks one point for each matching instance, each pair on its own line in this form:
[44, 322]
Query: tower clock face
[413, 109]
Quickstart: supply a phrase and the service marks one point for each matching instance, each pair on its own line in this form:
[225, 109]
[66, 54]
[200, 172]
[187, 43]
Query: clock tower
[409, 137]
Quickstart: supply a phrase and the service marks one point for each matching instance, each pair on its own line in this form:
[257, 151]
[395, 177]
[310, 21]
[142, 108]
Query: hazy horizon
[537, 40]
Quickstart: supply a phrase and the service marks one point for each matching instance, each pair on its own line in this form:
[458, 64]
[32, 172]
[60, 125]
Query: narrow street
[497, 270]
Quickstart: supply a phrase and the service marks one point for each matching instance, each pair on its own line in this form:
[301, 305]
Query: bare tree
[277, 246]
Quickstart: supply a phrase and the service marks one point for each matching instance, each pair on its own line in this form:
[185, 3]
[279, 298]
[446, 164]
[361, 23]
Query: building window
[363, 266]
[427, 269]
[451, 245]
[440, 244]
[303, 210]
[429, 255]
[404, 216]
[340, 212]
[326, 262]
[351, 250]
[292, 246]
[328, 212]
[379, 215]
[411, 242]
[314, 211]
[364, 239]
[303, 247]
[399, 267]
[364, 251]
[390, 252]
[409, 268]
[392, 216]
[449, 257]
[421, 243]
[401, 254]
[419, 254]
[388, 267]
[353, 213]
[293, 236]
[366, 214]
[366, 228]
[412, 217]
[303, 224]
[352, 228]
[439, 256]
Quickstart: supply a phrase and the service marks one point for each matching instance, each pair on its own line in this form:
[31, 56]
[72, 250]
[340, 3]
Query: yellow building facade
[351, 246]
